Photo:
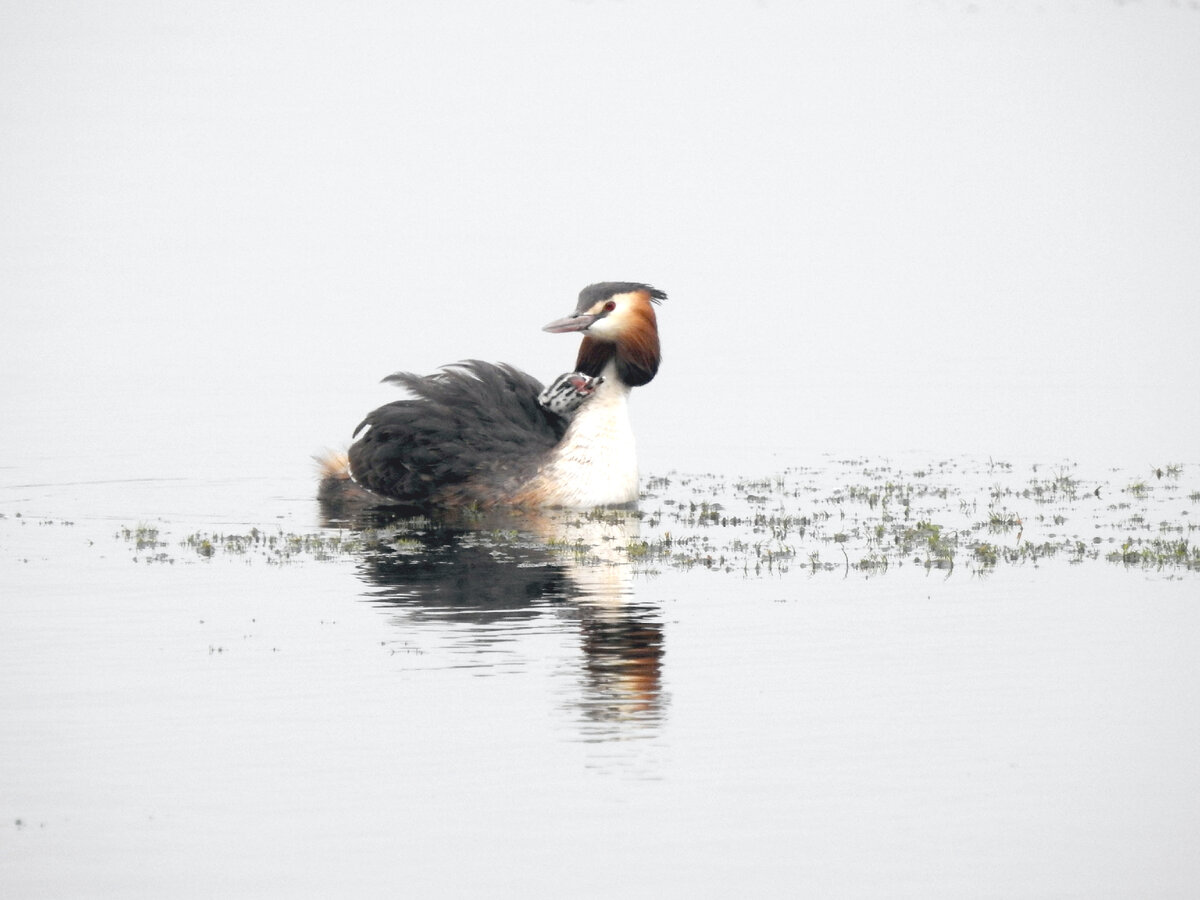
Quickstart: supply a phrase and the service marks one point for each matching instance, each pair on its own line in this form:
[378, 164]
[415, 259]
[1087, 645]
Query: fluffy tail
[337, 491]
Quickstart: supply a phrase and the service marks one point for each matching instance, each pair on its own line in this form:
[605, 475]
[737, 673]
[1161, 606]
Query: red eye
[609, 306]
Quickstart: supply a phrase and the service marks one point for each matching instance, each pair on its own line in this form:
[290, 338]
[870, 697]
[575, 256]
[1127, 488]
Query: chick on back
[482, 434]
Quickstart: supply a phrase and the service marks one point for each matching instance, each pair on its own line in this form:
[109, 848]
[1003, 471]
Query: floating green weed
[1138, 489]
[1157, 553]
[846, 516]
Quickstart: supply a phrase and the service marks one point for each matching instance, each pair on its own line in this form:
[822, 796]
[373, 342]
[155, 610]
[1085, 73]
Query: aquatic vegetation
[142, 536]
[1002, 520]
[987, 554]
[273, 547]
[1061, 487]
[1138, 489]
[1156, 553]
[846, 516]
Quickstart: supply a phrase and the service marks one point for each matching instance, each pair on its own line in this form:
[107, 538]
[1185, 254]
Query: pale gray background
[949, 227]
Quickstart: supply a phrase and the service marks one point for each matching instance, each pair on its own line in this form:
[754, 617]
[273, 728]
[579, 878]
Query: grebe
[477, 434]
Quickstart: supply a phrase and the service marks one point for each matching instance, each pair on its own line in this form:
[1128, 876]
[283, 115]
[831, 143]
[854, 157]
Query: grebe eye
[610, 306]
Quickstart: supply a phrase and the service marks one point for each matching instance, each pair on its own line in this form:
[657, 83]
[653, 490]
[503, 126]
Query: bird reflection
[622, 665]
[488, 580]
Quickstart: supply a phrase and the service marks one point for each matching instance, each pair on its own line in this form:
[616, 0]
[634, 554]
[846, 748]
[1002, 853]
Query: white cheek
[608, 327]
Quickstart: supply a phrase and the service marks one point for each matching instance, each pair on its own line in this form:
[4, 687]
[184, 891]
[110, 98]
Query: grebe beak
[570, 323]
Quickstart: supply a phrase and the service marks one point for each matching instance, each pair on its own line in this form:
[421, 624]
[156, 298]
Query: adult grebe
[480, 435]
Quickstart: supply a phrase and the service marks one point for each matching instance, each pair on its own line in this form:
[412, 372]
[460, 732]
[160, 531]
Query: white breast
[596, 462]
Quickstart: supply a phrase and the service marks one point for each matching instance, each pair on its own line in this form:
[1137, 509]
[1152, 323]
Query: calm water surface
[530, 706]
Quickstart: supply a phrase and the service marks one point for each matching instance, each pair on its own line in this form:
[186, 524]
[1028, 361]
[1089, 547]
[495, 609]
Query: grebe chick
[567, 393]
[480, 434]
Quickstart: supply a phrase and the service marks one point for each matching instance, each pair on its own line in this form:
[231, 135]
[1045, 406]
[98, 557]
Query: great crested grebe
[483, 435]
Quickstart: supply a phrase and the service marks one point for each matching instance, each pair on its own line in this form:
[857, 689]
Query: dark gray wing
[472, 421]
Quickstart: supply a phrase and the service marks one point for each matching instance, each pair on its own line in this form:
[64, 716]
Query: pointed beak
[569, 324]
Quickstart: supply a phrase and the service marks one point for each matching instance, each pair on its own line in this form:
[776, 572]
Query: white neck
[595, 464]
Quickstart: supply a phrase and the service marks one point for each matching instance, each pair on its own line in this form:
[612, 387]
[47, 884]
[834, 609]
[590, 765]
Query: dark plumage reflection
[490, 580]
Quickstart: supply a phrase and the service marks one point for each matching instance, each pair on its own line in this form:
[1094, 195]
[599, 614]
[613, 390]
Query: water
[499, 708]
[910, 605]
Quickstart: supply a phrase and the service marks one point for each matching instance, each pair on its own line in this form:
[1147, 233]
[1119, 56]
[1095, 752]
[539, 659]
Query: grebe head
[618, 323]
